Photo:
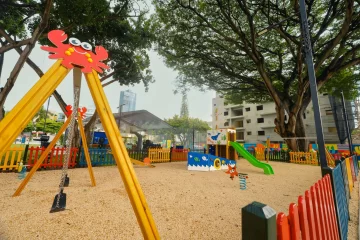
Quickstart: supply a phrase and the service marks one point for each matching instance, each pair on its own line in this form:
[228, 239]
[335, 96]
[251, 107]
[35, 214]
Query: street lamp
[47, 110]
[120, 110]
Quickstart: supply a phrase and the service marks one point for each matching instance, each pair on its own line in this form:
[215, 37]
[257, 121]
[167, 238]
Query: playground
[185, 204]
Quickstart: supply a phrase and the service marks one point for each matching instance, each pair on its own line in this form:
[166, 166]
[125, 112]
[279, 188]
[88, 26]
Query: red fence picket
[54, 159]
[179, 154]
[313, 218]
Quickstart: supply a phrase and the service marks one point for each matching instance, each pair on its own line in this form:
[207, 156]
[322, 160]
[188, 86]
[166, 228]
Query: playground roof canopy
[140, 120]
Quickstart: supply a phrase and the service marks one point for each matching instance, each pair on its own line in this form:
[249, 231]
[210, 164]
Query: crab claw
[101, 53]
[57, 37]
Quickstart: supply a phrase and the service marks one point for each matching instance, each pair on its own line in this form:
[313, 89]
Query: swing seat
[62, 202]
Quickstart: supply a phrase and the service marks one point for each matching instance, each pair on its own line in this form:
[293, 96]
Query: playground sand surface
[185, 204]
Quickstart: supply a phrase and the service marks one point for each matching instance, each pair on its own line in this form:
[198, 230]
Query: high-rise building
[127, 101]
[255, 122]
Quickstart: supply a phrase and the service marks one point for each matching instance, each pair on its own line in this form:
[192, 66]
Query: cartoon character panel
[198, 161]
[219, 163]
[218, 137]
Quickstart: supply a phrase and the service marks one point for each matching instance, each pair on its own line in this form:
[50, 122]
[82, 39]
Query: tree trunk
[303, 144]
[293, 129]
[89, 126]
[24, 55]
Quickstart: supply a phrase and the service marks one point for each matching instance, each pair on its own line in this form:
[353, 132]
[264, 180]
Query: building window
[332, 129]
[239, 135]
[248, 133]
[328, 112]
[325, 94]
[247, 109]
[226, 113]
[304, 115]
[259, 108]
[260, 120]
[248, 120]
[214, 104]
[226, 124]
[239, 124]
[261, 133]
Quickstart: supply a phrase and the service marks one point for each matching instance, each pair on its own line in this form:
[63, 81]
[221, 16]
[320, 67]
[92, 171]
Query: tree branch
[9, 46]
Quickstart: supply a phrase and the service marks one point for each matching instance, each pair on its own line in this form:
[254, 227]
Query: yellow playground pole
[17, 119]
[86, 150]
[41, 159]
[137, 199]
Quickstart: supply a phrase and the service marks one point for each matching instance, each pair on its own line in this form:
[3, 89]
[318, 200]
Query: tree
[183, 128]
[184, 111]
[119, 26]
[51, 126]
[216, 45]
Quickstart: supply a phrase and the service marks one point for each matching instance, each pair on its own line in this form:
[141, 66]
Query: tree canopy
[120, 26]
[218, 45]
[183, 128]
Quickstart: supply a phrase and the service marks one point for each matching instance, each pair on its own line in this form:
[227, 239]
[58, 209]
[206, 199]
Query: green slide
[256, 163]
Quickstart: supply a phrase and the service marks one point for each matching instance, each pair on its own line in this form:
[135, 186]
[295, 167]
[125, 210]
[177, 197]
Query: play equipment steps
[252, 160]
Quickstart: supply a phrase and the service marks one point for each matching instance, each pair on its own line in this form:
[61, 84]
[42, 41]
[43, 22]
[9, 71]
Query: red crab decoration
[68, 110]
[82, 112]
[76, 53]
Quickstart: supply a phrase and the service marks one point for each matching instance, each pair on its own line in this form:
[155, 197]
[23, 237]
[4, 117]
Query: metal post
[2, 55]
[47, 109]
[313, 85]
[193, 138]
[346, 122]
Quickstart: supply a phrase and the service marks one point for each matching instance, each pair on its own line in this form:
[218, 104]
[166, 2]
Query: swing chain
[68, 144]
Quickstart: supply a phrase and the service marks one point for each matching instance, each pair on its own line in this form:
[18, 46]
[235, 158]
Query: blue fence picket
[345, 180]
[356, 165]
[98, 156]
[341, 203]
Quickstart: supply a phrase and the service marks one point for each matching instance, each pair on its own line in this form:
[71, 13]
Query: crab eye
[86, 46]
[74, 41]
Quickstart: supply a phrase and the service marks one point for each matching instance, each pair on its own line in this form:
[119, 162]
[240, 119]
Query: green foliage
[51, 126]
[346, 81]
[183, 127]
[120, 26]
[184, 111]
[214, 45]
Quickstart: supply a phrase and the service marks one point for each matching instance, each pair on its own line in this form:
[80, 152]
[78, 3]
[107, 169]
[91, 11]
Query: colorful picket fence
[159, 155]
[98, 157]
[11, 159]
[309, 158]
[179, 154]
[313, 218]
[55, 157]
[321, 213]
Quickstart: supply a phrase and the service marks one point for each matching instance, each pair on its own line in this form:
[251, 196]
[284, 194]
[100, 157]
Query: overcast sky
[159, 100]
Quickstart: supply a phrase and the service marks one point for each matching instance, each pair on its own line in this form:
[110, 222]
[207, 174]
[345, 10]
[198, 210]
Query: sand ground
[185, 204]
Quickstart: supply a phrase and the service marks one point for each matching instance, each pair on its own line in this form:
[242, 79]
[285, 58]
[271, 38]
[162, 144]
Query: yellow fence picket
[11, 159]
[309, 158]
[159, 155]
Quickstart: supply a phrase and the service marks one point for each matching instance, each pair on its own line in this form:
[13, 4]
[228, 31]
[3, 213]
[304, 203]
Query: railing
[273, 155]
[313, 218]
[11, 159]
[309, 158]
[179, 154]
[321, 213]
[98, 157]
[54, 159]
[159, 154]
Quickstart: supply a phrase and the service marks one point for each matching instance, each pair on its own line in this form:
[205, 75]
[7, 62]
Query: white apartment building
[255, 122]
